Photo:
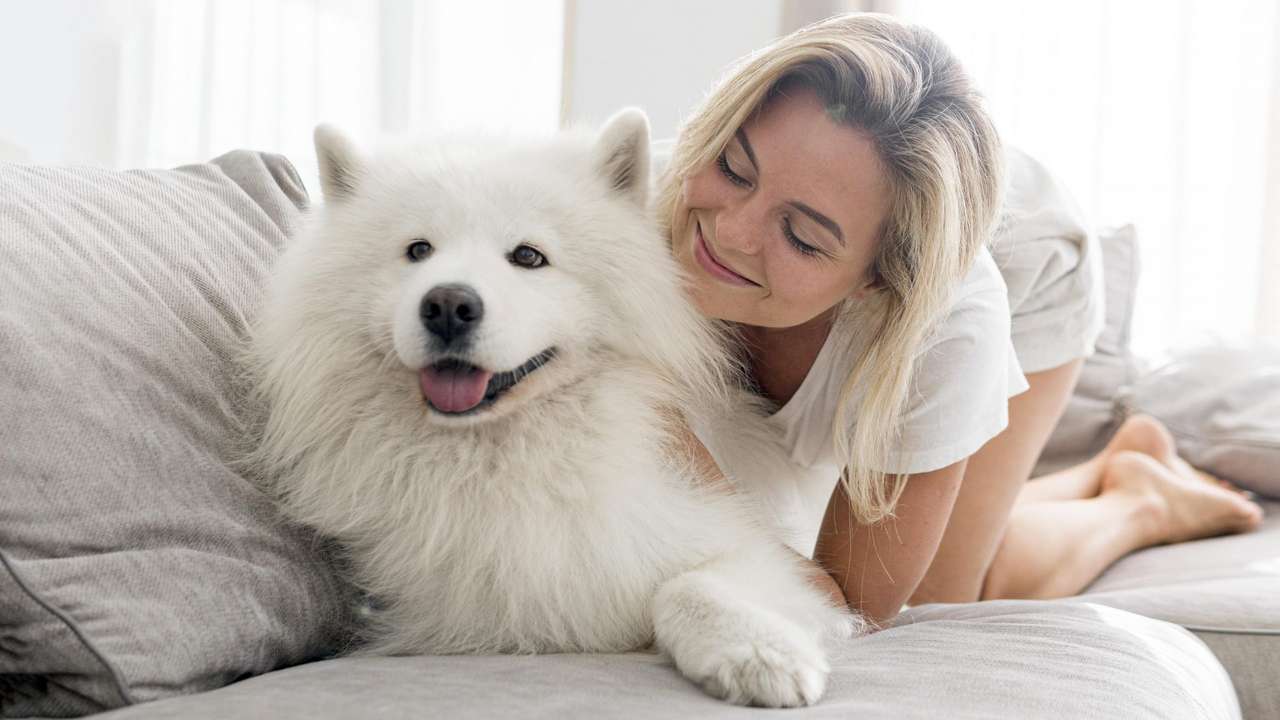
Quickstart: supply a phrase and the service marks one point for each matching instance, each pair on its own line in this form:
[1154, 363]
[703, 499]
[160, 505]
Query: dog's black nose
[451, 311]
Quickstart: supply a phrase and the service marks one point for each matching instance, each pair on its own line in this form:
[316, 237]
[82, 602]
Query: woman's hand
[873, 570]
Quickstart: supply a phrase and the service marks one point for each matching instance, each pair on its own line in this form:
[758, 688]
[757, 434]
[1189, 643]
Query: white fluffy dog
[469, 363]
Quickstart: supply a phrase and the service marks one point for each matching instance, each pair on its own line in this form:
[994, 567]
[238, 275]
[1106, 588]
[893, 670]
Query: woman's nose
[738, 229]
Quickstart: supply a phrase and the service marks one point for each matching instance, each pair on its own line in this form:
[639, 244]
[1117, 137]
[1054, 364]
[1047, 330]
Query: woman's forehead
[803, 155]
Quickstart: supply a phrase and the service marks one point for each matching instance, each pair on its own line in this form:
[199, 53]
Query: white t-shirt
[964, 376]
[1052, 264]
[959, 400]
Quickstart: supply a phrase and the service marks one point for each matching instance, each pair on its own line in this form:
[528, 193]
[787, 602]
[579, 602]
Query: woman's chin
[709, 295]
[712, 303]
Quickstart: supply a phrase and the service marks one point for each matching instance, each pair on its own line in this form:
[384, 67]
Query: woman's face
[783, 226]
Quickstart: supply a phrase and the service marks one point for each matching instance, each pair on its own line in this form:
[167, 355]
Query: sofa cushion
[1225, 589]
[135, 563]
[1221, 402]
[1006, 659]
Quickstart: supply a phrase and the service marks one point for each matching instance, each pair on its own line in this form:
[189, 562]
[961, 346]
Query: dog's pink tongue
[453, 390]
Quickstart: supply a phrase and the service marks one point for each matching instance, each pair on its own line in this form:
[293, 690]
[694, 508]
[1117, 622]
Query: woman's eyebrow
[818, 217]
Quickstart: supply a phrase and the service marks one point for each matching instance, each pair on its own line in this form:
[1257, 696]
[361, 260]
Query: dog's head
[478, 275]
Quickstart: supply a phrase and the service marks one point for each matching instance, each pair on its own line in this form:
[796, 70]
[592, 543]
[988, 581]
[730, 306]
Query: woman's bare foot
[1178, 506]
[1144, 434]
[1149, 436]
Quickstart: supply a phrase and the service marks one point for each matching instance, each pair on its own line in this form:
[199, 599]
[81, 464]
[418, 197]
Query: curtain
[1163, 113]
[200, 77]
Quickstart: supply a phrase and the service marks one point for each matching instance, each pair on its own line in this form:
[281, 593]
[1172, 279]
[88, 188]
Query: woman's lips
[713, 266]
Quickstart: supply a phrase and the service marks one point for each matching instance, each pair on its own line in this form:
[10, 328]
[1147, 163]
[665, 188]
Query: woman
[832, 201]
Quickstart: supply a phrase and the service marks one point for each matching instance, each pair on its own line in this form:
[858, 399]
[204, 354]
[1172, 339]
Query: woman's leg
[1140, 433]
[1052, 536]
[993, 478]
[1057, 547]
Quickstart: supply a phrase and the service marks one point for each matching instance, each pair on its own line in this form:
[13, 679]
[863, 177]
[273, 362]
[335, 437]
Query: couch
[142, 576]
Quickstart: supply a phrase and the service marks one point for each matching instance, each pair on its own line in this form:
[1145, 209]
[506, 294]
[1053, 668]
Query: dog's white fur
[560, 518]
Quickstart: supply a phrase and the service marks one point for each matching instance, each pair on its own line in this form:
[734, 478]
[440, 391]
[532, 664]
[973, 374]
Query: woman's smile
[713, 265]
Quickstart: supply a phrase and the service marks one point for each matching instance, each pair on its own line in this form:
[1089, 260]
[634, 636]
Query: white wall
[63, 62]
[662, 55]
[157, 83]
[58, 69]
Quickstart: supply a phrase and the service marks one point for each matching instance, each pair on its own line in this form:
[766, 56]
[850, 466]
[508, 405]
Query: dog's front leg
[748, 628]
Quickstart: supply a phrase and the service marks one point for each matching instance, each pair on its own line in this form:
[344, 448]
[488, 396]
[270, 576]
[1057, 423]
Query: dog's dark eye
[527, 257]
[418, 250]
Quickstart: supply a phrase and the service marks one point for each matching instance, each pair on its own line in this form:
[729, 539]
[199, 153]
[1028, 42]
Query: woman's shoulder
[964, 374]
[981, 300]
[977, 314]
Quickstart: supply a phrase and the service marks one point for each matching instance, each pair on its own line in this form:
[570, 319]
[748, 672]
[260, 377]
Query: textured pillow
[1092, 415]
[134, 563]
[1222, 405]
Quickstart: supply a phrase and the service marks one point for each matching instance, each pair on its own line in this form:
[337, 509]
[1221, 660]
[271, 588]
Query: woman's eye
[735, 178]
[795, 241]
[418, 250]
[527, 257]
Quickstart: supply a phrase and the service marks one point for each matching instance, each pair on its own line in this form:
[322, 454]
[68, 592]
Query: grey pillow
[1092, 415]
[134, 562]
[1222, 405]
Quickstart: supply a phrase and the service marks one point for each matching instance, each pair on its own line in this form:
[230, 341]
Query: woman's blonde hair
[898, 83]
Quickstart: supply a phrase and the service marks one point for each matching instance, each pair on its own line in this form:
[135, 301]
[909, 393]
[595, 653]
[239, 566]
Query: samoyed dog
[470, 364]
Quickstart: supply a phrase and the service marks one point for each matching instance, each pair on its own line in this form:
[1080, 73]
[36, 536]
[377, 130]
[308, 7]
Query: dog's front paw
[769, 672]
[736, 651]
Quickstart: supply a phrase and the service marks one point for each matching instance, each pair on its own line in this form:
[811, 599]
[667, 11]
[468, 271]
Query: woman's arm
[888, 559]
[878, 567]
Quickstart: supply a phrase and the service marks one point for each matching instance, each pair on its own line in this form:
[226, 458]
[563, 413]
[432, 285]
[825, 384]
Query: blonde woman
[833, 201]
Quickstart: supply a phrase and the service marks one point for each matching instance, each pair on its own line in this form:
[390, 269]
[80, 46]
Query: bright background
[1164, 113]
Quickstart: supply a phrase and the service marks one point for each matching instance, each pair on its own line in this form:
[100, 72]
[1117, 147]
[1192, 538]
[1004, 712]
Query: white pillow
[1222, 404]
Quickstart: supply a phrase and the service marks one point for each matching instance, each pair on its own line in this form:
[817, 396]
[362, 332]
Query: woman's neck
[780, 358]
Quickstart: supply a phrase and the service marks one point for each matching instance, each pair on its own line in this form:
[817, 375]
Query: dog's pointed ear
[340, 163]
[622, 154]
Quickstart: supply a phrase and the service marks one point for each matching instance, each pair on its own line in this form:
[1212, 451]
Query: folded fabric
[135, 563]
[1092, 415]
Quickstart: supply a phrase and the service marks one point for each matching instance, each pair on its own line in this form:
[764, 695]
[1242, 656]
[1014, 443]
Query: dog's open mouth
[454, 386]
